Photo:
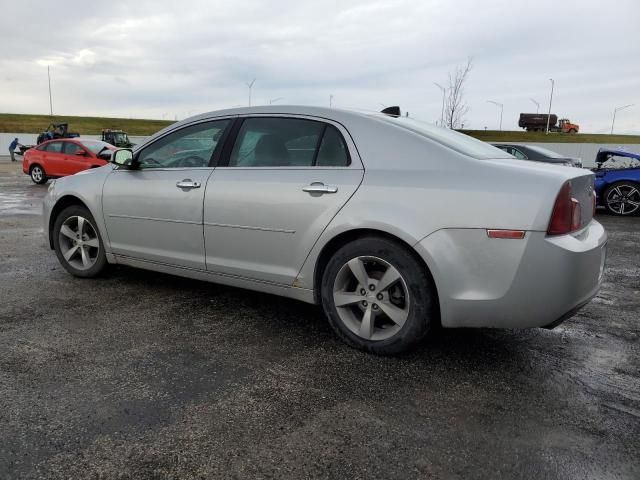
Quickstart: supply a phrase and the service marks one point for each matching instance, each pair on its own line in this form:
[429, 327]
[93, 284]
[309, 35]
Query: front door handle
[319, 187]
[188, 183]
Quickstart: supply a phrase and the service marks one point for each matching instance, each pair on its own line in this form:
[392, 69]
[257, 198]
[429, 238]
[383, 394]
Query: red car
[66, 156]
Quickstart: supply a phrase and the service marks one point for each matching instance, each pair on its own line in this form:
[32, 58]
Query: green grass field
[15, 123]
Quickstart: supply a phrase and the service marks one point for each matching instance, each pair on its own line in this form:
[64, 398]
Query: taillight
[566, 213]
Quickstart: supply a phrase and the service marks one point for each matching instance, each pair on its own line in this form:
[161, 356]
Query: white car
[393, 226]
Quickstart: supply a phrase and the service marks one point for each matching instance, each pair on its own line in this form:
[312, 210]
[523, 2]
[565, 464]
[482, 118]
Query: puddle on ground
[18, 203]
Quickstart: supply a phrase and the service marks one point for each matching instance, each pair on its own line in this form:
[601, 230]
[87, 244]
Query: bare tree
[455, 106]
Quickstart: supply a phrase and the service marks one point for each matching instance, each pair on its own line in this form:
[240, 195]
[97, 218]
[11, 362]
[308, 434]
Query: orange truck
[537, 122]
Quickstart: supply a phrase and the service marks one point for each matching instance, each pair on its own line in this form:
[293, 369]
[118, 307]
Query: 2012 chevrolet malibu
[393, 226]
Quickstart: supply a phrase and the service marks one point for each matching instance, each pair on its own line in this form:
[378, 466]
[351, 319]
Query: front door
[76, 158]
[153, 212]
[279, 186]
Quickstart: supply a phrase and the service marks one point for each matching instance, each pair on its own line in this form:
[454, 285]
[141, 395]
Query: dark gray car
[538, 154]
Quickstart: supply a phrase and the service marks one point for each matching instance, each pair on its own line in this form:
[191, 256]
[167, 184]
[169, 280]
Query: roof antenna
[392, 111]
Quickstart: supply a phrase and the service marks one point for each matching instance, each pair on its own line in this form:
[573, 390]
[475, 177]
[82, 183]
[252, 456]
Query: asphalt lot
[142, 375]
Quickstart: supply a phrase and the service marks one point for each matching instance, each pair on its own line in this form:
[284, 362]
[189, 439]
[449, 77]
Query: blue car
[618, 181]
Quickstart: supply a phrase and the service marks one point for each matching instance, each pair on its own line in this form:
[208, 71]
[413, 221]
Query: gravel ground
[142, 375]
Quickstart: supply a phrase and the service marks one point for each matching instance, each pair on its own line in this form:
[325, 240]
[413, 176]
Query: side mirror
[81, 153]
[122, 157]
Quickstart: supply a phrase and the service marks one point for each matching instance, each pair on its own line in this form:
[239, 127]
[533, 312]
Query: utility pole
[497, 104]
[550, 100]
[537, 105]
[50, 99]
[330, 101]
[616, 110]
[444, 92]
[250, 85]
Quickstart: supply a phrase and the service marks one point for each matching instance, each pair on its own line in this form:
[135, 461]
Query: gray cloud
[154, 58]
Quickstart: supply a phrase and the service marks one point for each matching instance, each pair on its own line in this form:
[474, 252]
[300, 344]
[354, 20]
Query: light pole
[250, 85]
[550, 100]
[537, 105]
[444, 92]
[50, 99]
[497, 104]
[616, 110]
[274, 100]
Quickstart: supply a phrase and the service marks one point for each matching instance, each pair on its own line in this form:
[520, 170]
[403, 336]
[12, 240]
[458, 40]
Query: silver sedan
[393, 226]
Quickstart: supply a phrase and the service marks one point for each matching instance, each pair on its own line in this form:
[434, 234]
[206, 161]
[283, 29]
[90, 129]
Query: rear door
[278, 186]
[53, 158]
[154, 212]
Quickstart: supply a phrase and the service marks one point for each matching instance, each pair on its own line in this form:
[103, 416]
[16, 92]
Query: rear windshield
[449, 138]
[545, 152]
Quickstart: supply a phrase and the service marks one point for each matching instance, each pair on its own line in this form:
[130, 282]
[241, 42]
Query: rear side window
[333, 151]
[287, 142]
[53, 147]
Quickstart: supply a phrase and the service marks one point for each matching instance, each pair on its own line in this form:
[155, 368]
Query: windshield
[449, 138]
[120, 138]
[95, 146]
[545, 152]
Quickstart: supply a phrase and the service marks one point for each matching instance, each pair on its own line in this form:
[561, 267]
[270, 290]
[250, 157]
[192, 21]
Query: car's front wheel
[38, 175]
[623, 198]
[378, 297]
[77, 242]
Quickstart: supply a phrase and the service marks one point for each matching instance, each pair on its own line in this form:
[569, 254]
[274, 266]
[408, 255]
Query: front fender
[82, 188]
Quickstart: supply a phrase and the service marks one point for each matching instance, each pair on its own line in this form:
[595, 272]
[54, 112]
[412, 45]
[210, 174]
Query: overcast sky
[155, 59]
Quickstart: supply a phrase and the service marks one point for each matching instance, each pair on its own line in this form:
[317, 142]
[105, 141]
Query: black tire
[37, 174]
[422, 305]
[100, 261]
[625, 185]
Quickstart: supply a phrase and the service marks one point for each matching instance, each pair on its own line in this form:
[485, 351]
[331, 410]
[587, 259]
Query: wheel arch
[341, 239]
[61, 204]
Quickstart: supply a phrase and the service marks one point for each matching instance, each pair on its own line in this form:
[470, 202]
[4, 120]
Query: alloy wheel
[36, 174]
[79, 243]
[371, 298]
[623, 199]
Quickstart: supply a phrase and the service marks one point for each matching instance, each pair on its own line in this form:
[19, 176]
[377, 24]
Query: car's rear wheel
[622, 198]
[38, 175]
[77, 242]
[378, 297]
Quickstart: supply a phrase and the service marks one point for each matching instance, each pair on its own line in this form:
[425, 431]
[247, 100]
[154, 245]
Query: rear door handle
[188, 183]
[319, 187]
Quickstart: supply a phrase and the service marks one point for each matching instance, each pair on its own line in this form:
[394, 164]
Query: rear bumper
[533, 282]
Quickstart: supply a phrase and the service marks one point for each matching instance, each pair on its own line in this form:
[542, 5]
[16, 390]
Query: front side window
[53, 147]
[72, 148]
[189, 147]
[287, 142]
